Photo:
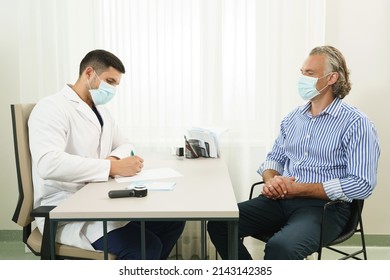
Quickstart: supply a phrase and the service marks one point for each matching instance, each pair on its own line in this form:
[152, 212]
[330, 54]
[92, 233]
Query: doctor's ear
[89, 71]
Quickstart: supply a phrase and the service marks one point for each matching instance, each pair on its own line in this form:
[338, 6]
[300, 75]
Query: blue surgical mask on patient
[103, 94]
[307, 86]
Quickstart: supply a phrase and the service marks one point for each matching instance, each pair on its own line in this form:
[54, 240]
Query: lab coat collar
[81, 106]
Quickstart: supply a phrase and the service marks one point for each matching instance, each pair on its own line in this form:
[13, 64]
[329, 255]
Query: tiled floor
[13, 250]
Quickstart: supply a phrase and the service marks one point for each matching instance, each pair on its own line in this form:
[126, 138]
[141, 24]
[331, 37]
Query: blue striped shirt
[338, 148]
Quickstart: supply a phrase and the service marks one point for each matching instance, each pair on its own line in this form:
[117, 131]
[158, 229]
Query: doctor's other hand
[128, 166]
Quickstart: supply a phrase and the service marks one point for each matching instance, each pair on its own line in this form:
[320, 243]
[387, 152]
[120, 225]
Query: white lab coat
[68, 148]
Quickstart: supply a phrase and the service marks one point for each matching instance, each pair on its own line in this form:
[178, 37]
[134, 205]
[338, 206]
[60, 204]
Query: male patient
[326, 150]
[75, 141]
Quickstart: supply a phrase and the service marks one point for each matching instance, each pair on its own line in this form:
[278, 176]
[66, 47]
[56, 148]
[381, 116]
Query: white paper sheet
[150, 174]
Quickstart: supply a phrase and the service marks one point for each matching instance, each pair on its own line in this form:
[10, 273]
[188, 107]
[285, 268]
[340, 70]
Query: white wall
[360, 29]
[9, 93]
[20, 25]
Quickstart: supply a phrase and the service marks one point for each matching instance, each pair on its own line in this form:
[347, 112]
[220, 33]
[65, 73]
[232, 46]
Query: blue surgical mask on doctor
[103, 94]
[307, 86]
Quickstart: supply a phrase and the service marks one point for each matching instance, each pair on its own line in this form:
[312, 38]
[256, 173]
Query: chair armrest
[253, 187]
[41, 211]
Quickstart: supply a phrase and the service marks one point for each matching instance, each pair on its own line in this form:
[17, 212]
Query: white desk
[204, 192]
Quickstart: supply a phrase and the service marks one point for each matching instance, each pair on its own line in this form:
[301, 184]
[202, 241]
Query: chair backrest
[352, 226]
[20, 114]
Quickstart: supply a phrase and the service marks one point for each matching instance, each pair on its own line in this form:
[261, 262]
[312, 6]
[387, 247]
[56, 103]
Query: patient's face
[314, 66]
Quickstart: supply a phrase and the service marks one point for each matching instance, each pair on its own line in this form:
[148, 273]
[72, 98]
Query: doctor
[75, 141]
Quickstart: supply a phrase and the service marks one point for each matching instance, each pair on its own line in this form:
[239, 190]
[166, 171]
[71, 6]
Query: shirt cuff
[270, 165]
[334, 191]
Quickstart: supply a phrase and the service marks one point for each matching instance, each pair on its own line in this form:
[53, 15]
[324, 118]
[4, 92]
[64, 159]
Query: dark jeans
[294, 225]
[125, 242]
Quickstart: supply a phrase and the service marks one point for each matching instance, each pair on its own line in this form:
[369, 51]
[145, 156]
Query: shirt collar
[333, 109]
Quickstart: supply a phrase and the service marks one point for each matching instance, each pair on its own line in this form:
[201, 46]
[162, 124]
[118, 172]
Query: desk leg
[105, 240]
[53, 231]
[203, 248]
[233, 240]
[143, 246]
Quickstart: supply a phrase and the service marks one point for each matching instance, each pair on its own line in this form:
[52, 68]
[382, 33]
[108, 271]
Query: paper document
[208, 140]
[150, 174]
[153, 185]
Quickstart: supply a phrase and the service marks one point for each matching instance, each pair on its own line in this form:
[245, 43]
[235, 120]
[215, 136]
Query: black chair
[354, 226]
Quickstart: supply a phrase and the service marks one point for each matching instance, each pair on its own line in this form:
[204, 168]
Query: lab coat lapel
[83, 108]
[106, 141]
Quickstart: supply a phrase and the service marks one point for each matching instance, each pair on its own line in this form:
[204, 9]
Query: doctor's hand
[128, 166]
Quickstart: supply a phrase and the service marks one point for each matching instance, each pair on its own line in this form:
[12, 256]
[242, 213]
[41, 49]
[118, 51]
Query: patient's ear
[333, 78]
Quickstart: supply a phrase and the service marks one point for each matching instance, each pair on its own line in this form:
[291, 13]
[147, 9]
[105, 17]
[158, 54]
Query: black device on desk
[138, 191]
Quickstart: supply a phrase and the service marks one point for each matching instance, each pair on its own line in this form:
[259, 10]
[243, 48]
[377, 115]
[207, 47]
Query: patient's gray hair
[335, 63]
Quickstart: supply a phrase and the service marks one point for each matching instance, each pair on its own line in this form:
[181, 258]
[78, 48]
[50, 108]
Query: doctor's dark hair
[100, 60]
[335, 63]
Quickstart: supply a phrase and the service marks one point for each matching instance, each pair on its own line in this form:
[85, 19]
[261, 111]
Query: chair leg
[319, 253]
[363, 241]
[177, 250]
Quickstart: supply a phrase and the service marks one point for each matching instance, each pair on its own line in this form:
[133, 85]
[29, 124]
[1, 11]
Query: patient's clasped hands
[278, 187]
